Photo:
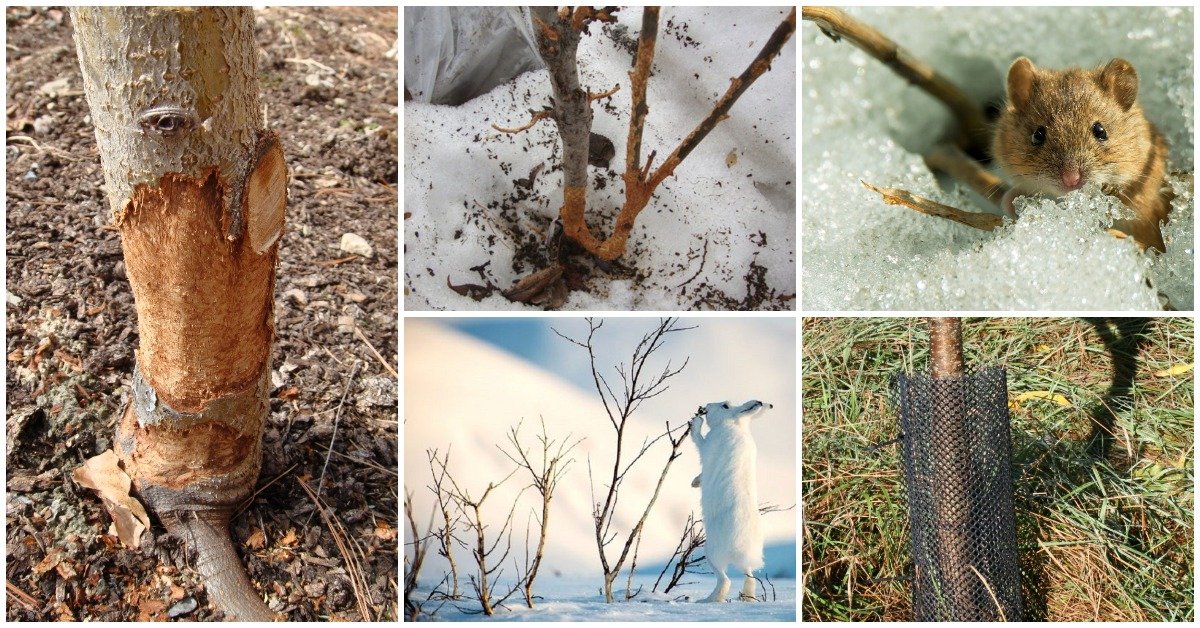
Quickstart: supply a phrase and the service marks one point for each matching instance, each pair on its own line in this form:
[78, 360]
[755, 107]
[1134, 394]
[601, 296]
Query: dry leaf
[385, 531]
[731, 159]
[1177, 369]
[52, 559]
[104, 475]
[1042, 394]
[289, 538]
[257, 539]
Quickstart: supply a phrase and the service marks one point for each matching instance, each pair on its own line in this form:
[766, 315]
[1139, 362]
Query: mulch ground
[329, 80]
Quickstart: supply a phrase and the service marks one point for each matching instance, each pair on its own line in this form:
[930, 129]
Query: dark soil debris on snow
[329, 80]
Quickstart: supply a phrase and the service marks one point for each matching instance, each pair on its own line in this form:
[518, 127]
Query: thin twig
[336, 420]
[953, 161]
[21, 596]
[358, 332]
[535, 117]
[977, 220]
[250, 500]
[836, 24]
[338, 532]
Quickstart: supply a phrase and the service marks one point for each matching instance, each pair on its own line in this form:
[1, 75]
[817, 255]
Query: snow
[861, 122]
[575, 598]
[728, 210]
[463, 394]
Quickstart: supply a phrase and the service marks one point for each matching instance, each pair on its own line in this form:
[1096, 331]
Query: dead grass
[1102, 538]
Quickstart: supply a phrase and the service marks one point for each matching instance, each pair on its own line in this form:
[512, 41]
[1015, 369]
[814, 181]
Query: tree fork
[197, 187]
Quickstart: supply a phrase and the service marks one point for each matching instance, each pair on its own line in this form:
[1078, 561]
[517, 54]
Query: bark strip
[198, 190]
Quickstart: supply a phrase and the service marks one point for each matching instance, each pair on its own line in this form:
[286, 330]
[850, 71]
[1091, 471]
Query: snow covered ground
[720, 234]
[577, 598]
[862, 122]
[462, 395]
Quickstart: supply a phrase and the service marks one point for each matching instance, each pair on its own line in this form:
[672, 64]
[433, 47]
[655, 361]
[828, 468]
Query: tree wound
[266, 195]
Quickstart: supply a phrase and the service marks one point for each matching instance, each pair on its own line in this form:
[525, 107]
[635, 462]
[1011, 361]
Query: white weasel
[729, 493]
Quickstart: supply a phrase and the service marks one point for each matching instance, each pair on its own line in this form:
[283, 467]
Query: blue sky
[533, 340]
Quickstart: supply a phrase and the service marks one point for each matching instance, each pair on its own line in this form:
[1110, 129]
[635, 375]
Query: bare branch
[635, 391]
[535, 117]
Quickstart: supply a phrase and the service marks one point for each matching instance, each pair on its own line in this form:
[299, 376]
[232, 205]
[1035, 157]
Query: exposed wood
[953, 161]
[896, 196]
[837, 24]
[197, 188]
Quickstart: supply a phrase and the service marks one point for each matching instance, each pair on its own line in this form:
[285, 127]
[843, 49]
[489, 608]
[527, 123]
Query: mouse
[1061, 129]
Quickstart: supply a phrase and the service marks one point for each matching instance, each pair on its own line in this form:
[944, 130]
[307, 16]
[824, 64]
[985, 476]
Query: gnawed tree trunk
[951, 505]
[197, 188]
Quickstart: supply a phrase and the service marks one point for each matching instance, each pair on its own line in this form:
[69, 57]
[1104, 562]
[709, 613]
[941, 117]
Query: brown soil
[329, 78]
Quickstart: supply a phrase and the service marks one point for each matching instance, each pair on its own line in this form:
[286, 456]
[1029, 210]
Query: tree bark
[197, 187]
[952, 501]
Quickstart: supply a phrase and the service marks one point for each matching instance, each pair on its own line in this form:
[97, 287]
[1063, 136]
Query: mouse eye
[1039, 136]
[1099, 132]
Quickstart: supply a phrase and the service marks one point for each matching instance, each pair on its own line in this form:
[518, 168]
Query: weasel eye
[1099, 132]
[1039, 136]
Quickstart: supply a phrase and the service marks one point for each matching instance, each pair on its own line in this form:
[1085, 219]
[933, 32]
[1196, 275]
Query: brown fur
[1130, 164]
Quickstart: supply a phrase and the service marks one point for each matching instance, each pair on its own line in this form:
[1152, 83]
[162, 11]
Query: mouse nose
[1072, 179]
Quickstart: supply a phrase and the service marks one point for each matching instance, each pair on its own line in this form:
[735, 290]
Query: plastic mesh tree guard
[960, 496]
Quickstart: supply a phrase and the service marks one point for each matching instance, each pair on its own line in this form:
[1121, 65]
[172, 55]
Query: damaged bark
[197, 187]
[558, 38]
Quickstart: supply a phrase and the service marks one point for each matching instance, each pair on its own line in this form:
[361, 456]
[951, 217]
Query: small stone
[309, 281]
[345, 324]
[355, 297]
[182, 607]
[315, 589]
[43, 125]
[356, 245]
[296, 295]
[56, 87]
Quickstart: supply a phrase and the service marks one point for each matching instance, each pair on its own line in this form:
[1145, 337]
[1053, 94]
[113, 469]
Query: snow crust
[729, 208]
[862, 122]
[574, 599]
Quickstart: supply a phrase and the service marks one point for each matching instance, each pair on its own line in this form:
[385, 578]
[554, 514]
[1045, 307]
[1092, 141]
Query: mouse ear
[1119, 79]
[1020, 83]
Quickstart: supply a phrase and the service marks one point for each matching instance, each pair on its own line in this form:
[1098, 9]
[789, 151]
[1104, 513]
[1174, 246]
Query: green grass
[1101, 537]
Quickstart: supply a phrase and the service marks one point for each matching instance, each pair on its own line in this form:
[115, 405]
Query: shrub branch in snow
[637, 385]
[488, 566]
[544, 477]
[558, 33]
[445, 534]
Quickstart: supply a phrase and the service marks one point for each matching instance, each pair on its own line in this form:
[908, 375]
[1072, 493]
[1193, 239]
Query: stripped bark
[973, 133]
[197, 188]
[558, 37]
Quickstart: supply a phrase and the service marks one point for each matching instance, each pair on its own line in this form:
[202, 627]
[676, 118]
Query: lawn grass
[1105, 531]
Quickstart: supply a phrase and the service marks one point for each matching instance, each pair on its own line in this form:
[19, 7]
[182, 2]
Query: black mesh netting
[960, 496]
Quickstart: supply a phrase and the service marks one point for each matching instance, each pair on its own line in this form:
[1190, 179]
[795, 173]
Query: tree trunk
[952, 502]
[197, 188]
